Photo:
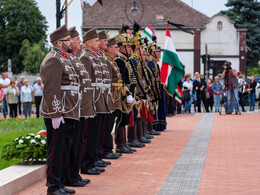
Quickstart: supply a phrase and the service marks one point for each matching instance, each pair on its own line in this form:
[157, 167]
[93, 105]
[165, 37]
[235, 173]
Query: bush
[30, 148]
[253, 71]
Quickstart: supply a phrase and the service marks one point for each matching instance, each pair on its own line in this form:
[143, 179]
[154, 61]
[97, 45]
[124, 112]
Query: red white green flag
[89, 2]
[171, 70]
[179, 95]
[149, 31]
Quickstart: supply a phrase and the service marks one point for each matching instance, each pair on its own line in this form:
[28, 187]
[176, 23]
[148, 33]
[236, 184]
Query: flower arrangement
[30, 148]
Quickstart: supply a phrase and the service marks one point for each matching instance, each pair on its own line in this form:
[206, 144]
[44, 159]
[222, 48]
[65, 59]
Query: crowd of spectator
[15, 95]
[201, 93]
[210, 95]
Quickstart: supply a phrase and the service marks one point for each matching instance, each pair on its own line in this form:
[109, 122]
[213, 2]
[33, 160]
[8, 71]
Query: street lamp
[134, 8]
[137, 14]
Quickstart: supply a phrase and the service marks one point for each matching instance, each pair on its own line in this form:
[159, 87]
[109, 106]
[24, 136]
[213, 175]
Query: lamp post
[58, 15]
[135, 11]
[59, 12]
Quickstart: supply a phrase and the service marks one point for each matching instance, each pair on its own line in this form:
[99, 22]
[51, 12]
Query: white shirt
[14, 90]
[5, 81]
[38, 91]
[188, 85]
[26, 94]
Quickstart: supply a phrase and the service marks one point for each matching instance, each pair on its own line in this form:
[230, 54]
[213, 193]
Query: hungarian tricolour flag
[91, 2]
[149, 31]
[179, 95]
[171, 70]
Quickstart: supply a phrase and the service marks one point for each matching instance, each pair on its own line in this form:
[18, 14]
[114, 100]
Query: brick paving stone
[143, 172]
[232, 164]
[185, 176]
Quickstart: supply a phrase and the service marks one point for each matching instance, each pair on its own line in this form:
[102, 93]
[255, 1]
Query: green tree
[33, 55]
[19, 20]
[246, 14]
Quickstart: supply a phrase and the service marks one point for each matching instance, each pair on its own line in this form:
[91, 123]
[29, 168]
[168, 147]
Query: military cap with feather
[123, 38]
[136, 41]
[146, 51]
[153, 46]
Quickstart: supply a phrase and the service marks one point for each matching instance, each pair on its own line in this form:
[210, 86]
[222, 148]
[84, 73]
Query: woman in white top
[187, 93]
[37, 95]
[26, 98]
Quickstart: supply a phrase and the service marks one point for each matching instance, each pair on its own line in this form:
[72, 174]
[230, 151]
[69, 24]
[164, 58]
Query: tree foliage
[246, 14]
[19, 20]
[33, 55]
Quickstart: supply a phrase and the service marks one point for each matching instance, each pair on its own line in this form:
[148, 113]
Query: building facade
[215, 37]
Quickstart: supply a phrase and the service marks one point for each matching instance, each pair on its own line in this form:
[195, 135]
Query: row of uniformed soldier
[89, 89]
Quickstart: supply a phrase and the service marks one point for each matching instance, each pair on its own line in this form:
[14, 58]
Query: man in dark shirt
[231, 85]
[199, 85]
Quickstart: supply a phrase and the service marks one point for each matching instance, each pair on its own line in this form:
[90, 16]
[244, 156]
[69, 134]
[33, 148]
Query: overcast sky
[48, 9]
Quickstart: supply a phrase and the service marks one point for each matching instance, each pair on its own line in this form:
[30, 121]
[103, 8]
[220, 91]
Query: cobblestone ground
[232, 165]
[228, 164]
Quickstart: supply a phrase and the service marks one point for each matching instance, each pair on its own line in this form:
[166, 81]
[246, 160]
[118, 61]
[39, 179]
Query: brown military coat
[86, 89]
[106, 76]
[61, 86]
[92, 64]
[116, 81]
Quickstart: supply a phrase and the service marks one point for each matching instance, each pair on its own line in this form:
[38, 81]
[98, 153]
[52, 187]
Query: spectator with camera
[231, 86]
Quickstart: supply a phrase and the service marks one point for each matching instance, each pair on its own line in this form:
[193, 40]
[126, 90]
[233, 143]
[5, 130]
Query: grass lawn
[12, 128]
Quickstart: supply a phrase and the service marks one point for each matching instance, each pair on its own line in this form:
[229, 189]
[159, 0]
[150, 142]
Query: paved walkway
[198, 154]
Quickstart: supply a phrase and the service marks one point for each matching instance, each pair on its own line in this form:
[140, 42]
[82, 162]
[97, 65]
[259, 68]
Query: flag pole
[66, 12]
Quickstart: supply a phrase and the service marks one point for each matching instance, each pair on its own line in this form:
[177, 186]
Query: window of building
[219, 26]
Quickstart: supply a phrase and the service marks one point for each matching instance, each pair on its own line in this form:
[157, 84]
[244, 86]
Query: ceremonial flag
[42, 132]
[149, 31]
[179, 95]
[171, 70]
[181, 27]
[130, 33]
[89, 2]
[100, 1]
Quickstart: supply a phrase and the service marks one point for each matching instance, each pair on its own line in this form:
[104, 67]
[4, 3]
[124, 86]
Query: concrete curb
[18, 177]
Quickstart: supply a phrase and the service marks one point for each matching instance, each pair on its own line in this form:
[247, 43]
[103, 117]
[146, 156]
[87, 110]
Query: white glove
[136, 102]
[129, 99]
[56, 122]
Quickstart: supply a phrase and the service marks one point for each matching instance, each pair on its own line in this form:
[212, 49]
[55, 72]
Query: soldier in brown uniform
[60, 107]
[116, 90]
[94, 125]
[107, 93]
[86, 111]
